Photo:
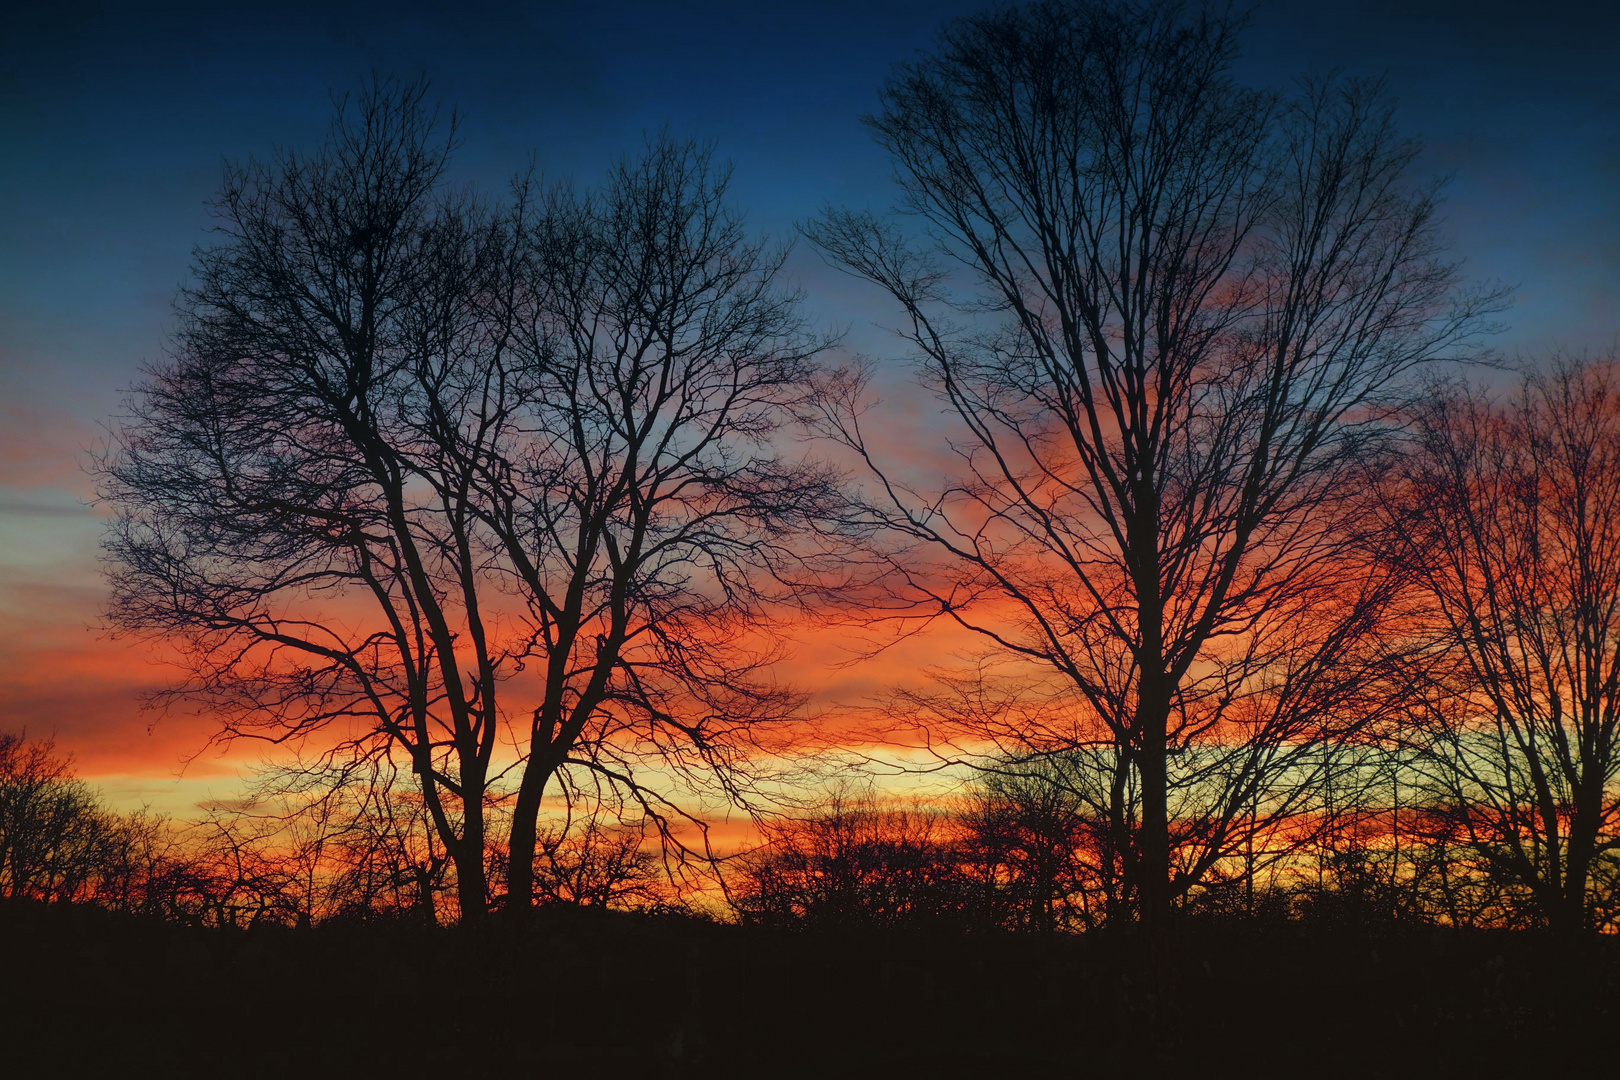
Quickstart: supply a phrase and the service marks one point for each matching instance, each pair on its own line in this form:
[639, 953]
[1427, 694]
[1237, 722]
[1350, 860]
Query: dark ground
[580, 994]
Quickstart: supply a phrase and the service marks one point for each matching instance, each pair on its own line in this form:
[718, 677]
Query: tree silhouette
[646, 512]
[1166, 318]
[1507, 522]
[1034, 840]
[854, 862]
[56, 839]
[408, 444]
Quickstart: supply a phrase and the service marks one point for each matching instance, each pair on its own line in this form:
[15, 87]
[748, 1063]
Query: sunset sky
[115, 119]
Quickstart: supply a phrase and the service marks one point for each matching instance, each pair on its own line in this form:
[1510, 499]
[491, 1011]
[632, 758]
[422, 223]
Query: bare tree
[855, 862]
[242, 874]
[56, 839]
[387, 858]
[646, 510]
[282, 511]
[1507, 522]
[1166, 317]
[1034, 843]
[408, 445]
[59, 842]
[602, 864]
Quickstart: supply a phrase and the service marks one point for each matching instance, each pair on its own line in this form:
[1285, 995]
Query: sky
[116, 118]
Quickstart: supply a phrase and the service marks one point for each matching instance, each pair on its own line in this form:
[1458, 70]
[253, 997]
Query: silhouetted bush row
[1017, 853]
[1019, 860]
[289, 858]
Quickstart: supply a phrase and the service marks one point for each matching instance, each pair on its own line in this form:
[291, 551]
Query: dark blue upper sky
[114, 118]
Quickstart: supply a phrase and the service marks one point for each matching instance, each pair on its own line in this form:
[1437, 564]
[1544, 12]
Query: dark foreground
[578, 994]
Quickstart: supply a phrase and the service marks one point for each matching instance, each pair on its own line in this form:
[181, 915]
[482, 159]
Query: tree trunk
[424, 895]
[523, 842]
[1569, 920]
[1153, 843]
[472, 883]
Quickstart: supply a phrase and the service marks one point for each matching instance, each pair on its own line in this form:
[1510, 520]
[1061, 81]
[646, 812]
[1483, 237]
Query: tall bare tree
[283, 512]
[408, 445]
[644, 504]
[1508, 523]
[1165, 316]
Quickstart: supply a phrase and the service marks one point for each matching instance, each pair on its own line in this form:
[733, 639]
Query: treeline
[1032, 860]
[287, 857]
[1016, 852]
